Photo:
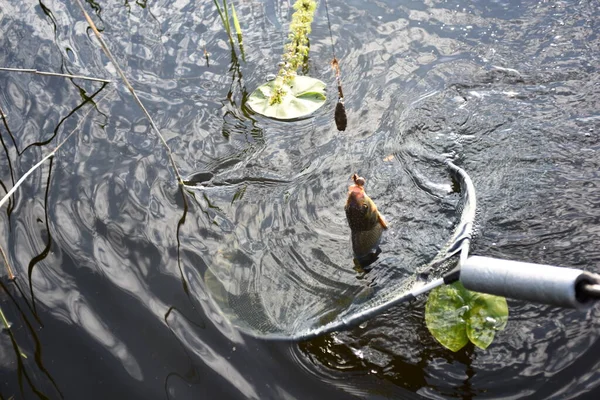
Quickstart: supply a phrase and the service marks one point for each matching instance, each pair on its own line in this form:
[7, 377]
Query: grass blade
[238, 30]
[226, 23]
[224, 14]
[220, 13]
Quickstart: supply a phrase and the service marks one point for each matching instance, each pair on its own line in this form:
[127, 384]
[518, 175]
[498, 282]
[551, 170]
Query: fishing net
[280, 279]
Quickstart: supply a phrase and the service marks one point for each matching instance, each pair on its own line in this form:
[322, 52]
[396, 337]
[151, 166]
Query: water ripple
[507, 89]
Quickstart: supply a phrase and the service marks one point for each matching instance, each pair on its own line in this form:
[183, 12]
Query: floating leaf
[301, 97]
[487, 315]
[455, 315]
[444, 316]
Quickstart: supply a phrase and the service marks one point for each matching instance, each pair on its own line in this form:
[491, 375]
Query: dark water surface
[120, 276]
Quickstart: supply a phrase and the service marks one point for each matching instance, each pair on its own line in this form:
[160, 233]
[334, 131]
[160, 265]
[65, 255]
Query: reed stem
[35, 71]
[131, 90]
[4, 320]
[11, 275]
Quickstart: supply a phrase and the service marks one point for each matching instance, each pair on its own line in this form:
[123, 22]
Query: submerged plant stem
[131, 90]
[35, 71]
[4, 320]
[11, 275]
[51, 154]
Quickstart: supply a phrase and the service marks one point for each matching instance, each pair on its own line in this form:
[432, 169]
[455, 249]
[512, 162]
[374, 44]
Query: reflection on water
[126, 284]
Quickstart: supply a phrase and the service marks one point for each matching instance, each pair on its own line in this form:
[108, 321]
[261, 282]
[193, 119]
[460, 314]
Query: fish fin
[381, 220]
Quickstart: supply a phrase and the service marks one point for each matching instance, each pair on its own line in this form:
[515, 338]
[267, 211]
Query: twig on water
[35, 71]
[133, 93]
[51, 154]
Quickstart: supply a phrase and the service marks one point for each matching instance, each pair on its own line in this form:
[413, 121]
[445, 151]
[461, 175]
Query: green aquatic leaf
[300, 98]
[444, 316]
[487, 315]
[455, 316]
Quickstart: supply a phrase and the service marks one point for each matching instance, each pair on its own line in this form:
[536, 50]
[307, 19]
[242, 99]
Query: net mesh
[299, 297]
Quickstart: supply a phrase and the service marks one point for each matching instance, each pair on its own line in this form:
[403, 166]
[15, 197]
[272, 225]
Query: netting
[307, 293]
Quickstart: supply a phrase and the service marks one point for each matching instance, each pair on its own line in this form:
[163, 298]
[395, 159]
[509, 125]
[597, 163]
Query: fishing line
[330, 34]
[341, 121]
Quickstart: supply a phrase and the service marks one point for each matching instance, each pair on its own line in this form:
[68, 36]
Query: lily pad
[487, 315]
[445, 316]
[301, 97]
[455, 316]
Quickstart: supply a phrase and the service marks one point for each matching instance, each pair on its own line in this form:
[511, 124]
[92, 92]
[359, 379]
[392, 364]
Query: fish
[365, 221]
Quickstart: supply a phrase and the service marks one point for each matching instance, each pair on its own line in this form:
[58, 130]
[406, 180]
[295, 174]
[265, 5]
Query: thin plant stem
[20, 181]
[51, 154]
[86, 100]
[35, 71]
[10, 167]
[228, 24]
[11, 275]
[238, 31]
[224, 14]
[221, 15]
[4, 320]
[133, 93]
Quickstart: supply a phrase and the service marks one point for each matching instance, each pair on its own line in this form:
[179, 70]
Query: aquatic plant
[455, 316]
[17, 184]
[291, 96]
[9, 271]
[296, 50]
[224, 14]
[238, 29]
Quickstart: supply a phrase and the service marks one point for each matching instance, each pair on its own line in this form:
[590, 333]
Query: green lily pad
[488, 314]
[302, 97]
[444, 316]
[455, 316]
